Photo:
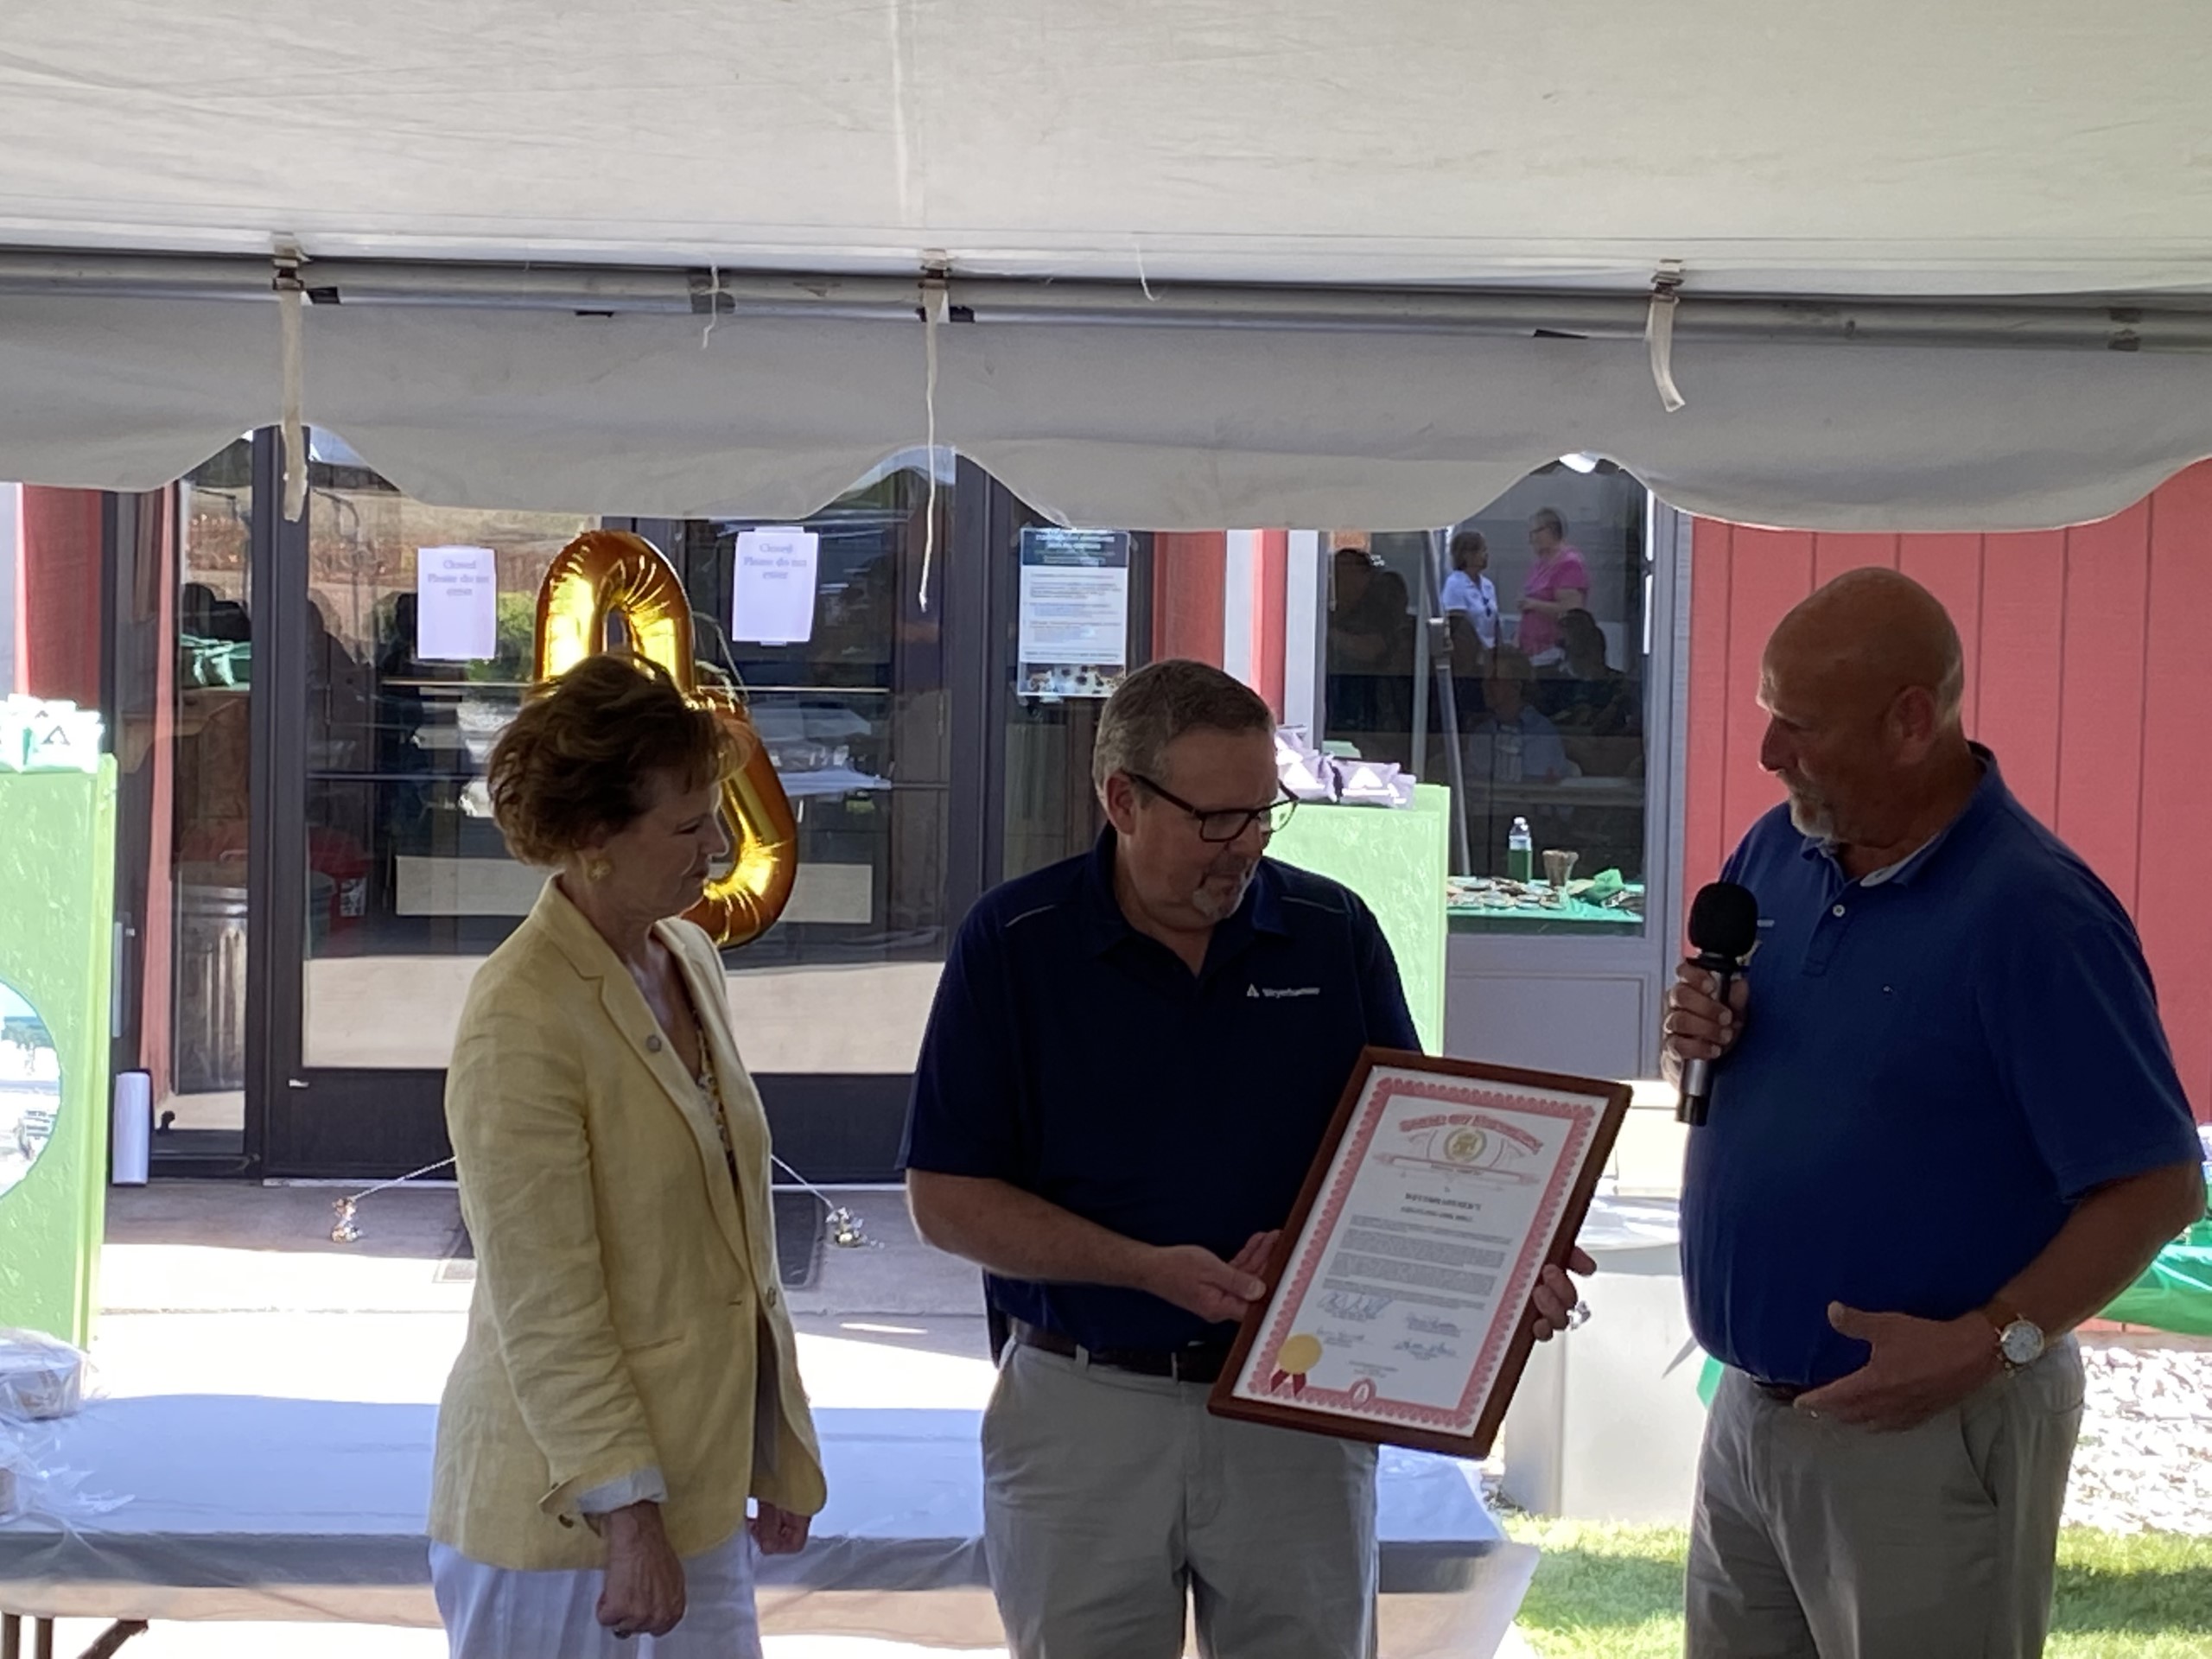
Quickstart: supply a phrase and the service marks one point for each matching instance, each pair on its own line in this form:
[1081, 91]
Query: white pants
[1111, 1502]
[498, 1612]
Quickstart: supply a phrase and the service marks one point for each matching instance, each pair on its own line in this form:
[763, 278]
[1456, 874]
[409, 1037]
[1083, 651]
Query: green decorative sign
[57, 903]
[1396, 859]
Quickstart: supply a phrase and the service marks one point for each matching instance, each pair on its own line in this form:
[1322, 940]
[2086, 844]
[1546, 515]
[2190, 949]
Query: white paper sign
[1073, 634]
[456, 604]
[773, 603]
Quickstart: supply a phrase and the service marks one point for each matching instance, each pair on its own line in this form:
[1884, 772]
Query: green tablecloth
[1395, 859]
[2174, 1294]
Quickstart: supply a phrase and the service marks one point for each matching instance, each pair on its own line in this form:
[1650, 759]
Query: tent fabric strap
[290, 293]
[2127, 324]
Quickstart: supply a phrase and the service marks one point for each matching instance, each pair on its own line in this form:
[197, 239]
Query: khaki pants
[1809, 1537]
[1109, 1497]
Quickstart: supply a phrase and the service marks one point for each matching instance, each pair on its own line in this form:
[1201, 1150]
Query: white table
[247, 1508]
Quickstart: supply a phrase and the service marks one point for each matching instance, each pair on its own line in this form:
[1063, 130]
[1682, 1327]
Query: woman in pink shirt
[1559, 583]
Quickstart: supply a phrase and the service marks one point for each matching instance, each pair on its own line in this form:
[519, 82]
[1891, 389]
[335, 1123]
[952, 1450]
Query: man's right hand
[1699, 1026]
[1196, 1280]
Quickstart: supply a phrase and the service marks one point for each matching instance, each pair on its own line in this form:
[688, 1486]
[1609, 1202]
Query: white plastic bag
[35, 1483]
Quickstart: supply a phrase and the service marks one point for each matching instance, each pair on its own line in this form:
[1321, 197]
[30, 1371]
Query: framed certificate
[1398, 1309]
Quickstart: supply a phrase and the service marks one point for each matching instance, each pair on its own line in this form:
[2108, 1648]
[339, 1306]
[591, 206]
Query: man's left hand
[1918, 1368]
[1556, 1294]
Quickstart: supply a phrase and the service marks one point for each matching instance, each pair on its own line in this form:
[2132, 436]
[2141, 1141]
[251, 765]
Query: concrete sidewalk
[221, 1287]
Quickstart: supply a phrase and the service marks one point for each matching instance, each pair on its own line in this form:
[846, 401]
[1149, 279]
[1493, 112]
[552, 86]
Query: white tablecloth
[246, 1508]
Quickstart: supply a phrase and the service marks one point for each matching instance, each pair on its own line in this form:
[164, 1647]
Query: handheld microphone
[1724, 926]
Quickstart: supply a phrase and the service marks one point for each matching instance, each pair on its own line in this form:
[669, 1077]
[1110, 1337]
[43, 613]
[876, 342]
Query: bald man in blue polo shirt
[1944, 1129]
[1132, 1060]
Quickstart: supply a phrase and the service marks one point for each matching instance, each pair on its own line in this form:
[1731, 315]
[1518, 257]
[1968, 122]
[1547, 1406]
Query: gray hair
[1951, 684]
[1160, 702]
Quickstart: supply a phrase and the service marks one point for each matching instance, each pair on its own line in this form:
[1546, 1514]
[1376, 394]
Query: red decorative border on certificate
[1361, 1399]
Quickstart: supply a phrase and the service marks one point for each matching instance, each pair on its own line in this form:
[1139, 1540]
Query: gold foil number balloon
[605, 574]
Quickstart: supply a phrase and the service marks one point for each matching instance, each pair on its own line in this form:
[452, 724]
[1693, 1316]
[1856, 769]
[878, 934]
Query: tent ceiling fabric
[1159, 429]
[1979, 146]
[1890, 148]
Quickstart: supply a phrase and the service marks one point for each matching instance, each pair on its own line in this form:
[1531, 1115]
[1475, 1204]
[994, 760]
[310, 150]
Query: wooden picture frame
[1456, 1135]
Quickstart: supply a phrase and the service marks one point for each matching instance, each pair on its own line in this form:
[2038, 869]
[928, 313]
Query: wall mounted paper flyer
[773, 600]
[457, 604]
[1075, 611]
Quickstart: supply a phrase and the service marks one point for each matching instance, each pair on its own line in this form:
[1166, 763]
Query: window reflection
[1506, 656]
[212, 733]
[409, 883]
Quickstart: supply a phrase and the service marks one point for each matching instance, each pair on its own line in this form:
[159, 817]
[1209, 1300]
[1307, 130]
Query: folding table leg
[43, 1629]
[11, 1636]
[113, 1638]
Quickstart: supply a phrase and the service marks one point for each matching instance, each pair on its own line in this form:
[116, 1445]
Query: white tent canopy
[1512, 158]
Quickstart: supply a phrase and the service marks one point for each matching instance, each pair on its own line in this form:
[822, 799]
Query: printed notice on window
[773, 601]
[456, 604]
[1075, 611]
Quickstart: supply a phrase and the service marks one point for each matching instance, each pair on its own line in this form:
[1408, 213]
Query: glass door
[184, 622]
[917, 770]
[390, 884]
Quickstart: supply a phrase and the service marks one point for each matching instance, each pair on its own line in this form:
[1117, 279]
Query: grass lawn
[1616, 1592]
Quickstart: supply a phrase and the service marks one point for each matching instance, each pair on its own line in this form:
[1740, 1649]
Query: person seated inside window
[1370, 657]
[1593, 704]
[1514, 742]
[1584, 690]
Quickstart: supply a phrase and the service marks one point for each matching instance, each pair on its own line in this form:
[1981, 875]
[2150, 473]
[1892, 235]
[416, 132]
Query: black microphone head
[1725, 921]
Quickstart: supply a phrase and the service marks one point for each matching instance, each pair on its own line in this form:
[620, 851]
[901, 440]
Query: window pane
[856, 721]
[409, 885]
[1507, 657]
[213, 737]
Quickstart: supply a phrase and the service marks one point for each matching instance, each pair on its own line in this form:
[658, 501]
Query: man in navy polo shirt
[1132, 1061]
[1944, 1129]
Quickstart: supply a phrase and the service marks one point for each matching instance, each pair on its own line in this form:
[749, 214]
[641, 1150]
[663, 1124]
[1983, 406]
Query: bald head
[1863, 683]
[1869, 636]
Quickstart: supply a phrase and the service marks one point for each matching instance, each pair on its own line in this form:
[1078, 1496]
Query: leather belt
[1786, 1393]
[1202, 1362]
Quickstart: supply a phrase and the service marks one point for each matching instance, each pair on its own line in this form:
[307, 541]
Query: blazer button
[771, 1296]
[652, 1045]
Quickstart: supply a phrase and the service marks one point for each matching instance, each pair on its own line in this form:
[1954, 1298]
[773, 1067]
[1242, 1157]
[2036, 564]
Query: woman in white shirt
[1467, 589]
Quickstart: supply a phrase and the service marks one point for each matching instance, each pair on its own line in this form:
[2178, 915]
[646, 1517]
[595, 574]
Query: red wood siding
[2088, 671]
[61, 595]
[1270, 609]
[1188, 571]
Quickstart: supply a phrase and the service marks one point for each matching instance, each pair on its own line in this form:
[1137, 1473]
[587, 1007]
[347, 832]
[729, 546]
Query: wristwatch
[2019, 1341]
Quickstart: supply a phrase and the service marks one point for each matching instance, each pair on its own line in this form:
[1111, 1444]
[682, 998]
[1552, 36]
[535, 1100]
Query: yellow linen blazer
[621, 1284]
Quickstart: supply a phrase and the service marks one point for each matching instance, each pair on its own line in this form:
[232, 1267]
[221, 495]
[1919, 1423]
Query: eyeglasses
[1227, 824]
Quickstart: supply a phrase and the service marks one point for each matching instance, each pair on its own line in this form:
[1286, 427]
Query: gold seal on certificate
[1399, 1311]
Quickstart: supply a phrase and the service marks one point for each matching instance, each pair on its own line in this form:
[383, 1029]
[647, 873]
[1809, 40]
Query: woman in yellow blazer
[629, 1379]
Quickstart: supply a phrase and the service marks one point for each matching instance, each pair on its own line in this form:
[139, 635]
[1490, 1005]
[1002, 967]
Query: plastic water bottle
[1520, 852]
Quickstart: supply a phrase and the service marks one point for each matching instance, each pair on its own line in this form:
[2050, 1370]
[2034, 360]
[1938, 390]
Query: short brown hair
[1160, 702]
[573, 765]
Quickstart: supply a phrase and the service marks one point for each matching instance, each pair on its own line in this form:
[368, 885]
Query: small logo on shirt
[1274, 992]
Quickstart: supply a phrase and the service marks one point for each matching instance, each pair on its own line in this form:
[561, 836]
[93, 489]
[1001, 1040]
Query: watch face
[2020, 1343]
